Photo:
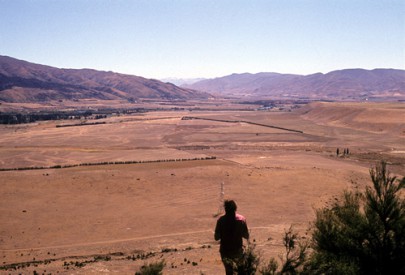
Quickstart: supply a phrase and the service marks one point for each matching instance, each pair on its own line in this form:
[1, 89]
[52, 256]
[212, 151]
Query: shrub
[152, 269]
[270, 268]
[295, 253]
[249, 261]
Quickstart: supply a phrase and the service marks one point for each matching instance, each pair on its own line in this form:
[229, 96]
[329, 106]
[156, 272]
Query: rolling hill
[349, 84]
[22, 81]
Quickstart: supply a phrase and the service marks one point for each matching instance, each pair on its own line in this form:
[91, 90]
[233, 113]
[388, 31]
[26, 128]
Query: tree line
[20, 118]
[104, 163]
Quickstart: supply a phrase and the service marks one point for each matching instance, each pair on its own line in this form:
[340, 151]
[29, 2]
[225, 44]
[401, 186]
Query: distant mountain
[181, 81]
[22, 81]
[350, 84]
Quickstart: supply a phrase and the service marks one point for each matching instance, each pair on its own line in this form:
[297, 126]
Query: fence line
[242, 121]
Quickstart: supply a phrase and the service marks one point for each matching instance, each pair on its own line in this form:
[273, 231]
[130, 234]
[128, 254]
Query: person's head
[230, 206]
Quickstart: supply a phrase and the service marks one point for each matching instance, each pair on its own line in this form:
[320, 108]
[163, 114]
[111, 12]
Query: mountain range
[349, 84]
[22, 81]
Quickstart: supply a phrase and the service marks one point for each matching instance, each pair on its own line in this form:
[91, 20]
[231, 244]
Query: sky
[203, 38]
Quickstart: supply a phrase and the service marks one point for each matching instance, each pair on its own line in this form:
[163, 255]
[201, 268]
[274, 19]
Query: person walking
[230, 230]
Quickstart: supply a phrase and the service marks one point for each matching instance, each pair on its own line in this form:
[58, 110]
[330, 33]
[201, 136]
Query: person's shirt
[230, 229]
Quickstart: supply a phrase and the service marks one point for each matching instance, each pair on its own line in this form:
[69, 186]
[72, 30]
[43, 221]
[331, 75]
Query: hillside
[22, 81]
[349, 84]
[372, 117]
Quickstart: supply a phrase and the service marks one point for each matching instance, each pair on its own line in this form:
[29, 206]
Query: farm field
[150, 189]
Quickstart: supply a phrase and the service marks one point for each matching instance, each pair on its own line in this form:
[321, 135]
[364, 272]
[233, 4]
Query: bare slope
[22, 81]
[372, 117]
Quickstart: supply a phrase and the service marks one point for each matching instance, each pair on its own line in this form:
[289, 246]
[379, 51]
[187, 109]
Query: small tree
[385, 212]
[363, 234]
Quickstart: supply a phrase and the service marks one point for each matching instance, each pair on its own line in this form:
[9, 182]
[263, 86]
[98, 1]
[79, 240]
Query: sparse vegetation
[293, 261]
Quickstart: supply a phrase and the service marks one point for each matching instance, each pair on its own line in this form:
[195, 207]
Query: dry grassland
[114, 218]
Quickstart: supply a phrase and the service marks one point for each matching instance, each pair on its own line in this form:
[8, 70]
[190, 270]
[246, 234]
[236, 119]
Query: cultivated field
[94, 219]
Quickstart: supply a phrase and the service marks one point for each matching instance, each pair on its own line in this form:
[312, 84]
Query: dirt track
[277, 179]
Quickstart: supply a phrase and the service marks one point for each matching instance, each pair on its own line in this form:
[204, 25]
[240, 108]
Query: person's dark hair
[230, 206]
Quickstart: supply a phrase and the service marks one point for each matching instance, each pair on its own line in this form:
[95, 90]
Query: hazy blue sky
[204, 38]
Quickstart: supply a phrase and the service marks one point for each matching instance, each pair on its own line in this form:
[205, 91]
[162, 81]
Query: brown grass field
[115, 218]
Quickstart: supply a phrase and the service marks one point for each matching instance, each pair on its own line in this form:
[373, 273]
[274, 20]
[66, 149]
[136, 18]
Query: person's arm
[245, 232]
[217, 234]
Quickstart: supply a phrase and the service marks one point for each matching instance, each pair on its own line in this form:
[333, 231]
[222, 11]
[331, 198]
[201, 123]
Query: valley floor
[117, 217]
